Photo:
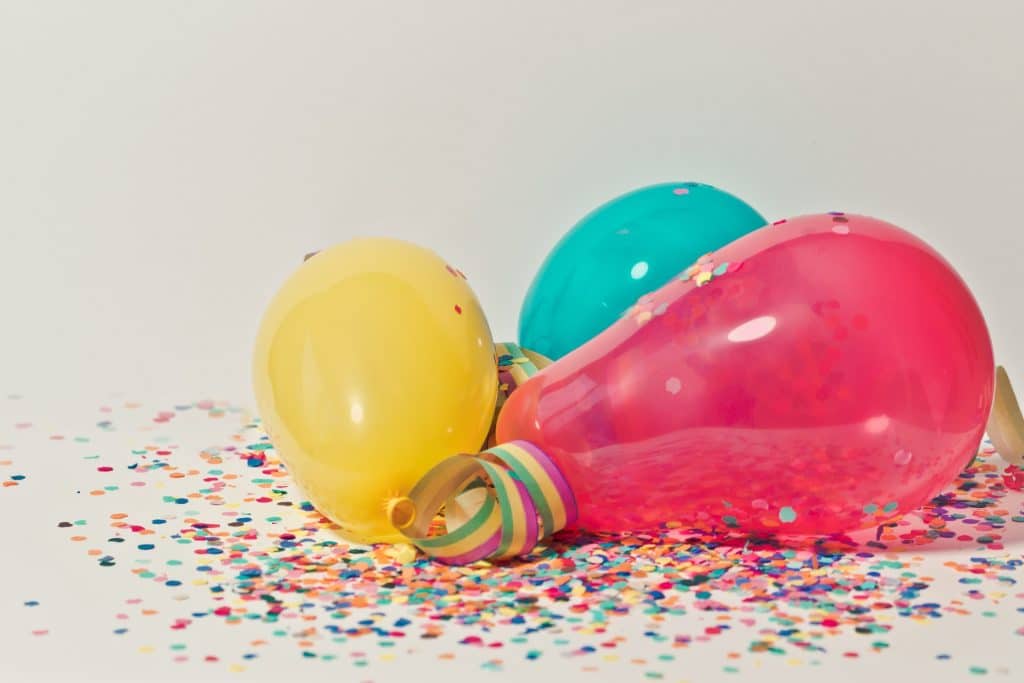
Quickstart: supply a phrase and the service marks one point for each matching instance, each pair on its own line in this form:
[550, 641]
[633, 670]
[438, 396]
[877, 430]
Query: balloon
[373, 362]
[626, 248]
[819, 375]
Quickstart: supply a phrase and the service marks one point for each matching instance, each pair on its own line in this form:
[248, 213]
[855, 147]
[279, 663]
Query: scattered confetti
[226, 532]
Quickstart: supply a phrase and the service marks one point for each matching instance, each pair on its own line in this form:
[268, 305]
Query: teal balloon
[620, 251]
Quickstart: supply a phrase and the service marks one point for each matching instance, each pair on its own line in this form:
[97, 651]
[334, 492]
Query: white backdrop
[164, 165]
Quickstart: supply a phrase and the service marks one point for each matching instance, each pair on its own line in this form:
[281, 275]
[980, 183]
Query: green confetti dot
[978, 670]
[890, 507]
[730, 520]
[870, 508]
[787, 515]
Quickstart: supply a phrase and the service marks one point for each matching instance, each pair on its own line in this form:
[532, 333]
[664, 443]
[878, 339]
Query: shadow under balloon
[982, 510]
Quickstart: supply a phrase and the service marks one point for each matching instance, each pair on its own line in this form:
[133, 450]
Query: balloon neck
[401, 512]
[496, 505]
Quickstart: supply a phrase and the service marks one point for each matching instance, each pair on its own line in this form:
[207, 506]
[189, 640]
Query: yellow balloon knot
[402, 512]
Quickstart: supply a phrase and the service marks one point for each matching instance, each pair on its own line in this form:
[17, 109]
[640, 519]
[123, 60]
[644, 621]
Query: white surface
[164, 165]
[80, 603]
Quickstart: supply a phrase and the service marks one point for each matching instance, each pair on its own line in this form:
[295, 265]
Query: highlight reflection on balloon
[373, 362]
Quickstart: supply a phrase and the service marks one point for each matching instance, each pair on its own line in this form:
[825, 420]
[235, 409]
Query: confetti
[225, 530]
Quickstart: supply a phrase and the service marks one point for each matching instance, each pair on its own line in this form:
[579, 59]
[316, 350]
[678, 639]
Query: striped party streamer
[498, 504]
[515, 366]
[520, 364]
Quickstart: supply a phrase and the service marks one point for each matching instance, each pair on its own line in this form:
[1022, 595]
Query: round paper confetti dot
[293, 582]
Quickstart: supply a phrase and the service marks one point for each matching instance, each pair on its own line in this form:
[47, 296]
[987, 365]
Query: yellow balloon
[373, 363]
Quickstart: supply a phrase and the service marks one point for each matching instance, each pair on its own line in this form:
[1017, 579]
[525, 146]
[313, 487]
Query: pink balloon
[819, 375]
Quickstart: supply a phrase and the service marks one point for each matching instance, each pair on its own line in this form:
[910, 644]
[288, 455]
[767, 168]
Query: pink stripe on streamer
[532, 528]
[478, 553]
[561, 485]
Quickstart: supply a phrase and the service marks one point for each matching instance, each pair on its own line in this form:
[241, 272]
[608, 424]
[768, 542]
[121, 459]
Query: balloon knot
[402, 512]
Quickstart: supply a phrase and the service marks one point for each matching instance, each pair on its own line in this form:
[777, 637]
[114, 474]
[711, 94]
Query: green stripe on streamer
[506, 495]
[517, 362]
[479, 518]
[547, 519]
[515, 509]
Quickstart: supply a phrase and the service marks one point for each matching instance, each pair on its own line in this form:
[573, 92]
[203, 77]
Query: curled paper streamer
[498, 505]
[520, 364]
[515, 366]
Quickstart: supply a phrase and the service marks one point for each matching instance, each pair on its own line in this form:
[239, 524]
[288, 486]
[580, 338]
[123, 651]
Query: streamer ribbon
[498, 504]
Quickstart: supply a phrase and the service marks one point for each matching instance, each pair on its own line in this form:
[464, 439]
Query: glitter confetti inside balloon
[626, 248]
[373, 363]
[819, 375]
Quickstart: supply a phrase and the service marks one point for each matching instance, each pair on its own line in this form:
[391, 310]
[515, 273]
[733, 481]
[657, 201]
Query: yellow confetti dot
[404, 553]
